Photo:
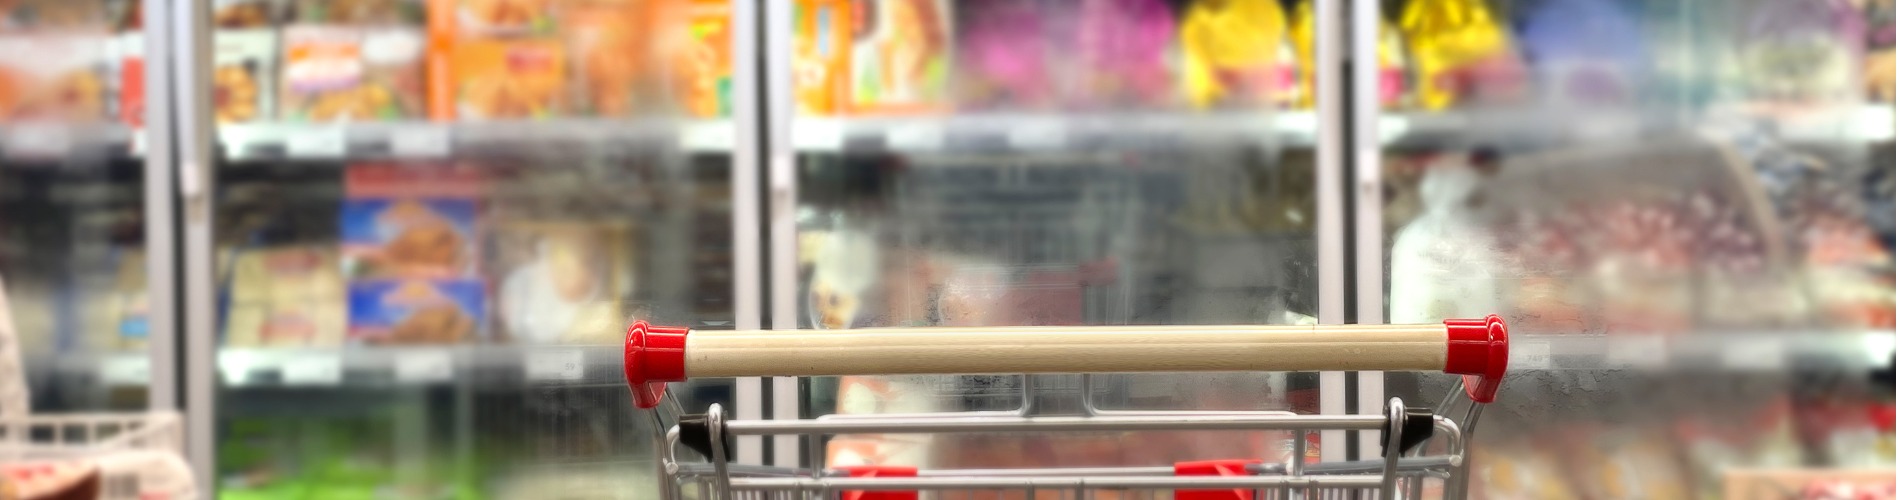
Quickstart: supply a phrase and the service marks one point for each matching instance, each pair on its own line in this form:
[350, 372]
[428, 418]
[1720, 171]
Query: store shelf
[65, 141]
[425, 140]
[1729, 351]
[1031, 132]
[1856, 124]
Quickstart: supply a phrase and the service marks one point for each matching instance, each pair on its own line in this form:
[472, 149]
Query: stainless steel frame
[161, 250]
[191, 61]
[748, 115]
[1368, 199]
[1330, 220]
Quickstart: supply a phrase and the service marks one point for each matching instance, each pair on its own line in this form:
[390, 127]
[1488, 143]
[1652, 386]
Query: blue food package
[431, 238]
[416, 311]
[1585, 51]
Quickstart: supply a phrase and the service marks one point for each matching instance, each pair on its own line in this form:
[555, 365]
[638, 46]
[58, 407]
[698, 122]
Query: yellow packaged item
[821, 39]
[1449, 37]
[1237, 51]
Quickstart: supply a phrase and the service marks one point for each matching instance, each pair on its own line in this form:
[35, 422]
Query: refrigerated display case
[1685, 211]
[415, 231]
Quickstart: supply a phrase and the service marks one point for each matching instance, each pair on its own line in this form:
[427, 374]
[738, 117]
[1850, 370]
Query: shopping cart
[1419, 446]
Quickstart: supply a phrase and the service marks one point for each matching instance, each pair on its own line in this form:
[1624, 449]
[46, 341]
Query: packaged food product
[821, 41]
[243, 14]
[900, 58]
[56, 15]
[696, 44]
[1585, 52]
[1237, 52]
[48, 77]
[506, 79]
[1800, 52]
[358, 12]
[1003, 56]
[334, 73]
[410, 221]
[1122, 51]
[130, 49]
[562, 282]
[112, 303]
[1461, 53]
[243, 75]
[494, 17]
[288, 296]
[1518, 470]
[415, 311]
[606, 47]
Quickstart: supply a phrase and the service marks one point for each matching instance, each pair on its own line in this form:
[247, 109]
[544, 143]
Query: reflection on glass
[1684, 210]
[434, 220]
[71, 81]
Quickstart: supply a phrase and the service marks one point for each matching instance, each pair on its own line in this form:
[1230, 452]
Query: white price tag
[316, 142]
[1530, 355]
[817, 135]
[1638, 351]
[915, 137]
[38, 140]
[419, 141]
[708, 136]
[1754, 354]
[561, 365]
[313, 369]
[125, 370]
[425, 366]
[1038, 134]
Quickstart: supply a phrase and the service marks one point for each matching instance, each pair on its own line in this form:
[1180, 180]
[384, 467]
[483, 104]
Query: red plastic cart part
[1479, 349]
[1214, 468]
[878, 471]
[655, 355]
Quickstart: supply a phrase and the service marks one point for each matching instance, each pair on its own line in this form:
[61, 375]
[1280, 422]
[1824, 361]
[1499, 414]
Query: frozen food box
[288, 296]
[561, 281]
[821, 57]
[246, 14]
[410, 220]
[336, 73]
[493, 17]
[1237, 53]
[48, 77]
[358, 12]
[415, 311]
[901, 56]
[696, 47]
[129, 69]
[492, 79]
[112, 302]
[243, 75]
[607, 44]
[409, 237]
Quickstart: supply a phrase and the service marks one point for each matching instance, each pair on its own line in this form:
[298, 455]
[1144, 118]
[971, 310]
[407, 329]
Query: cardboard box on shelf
[415, 311]
[821, 57]
[46, 77]
[696, 47]
[503, 79]
[410, 221]
[606, 43]
[285, 296]
[351, 74]
[242, 76]
[561, 281]
[900, 60]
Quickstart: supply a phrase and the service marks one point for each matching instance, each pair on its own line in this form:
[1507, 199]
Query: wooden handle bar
[655, 355]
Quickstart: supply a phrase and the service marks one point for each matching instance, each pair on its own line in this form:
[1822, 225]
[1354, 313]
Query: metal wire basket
[1423, 449]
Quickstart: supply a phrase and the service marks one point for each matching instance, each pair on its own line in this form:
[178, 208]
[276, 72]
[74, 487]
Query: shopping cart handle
[1479, 349]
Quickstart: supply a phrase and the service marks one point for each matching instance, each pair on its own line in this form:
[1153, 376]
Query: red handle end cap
[1479, 349]
[655, 355]
[1214, 468]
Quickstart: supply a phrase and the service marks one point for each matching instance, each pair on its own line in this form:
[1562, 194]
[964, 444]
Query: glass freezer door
[74, 231]
[424, 226]
[1065, 162]
[1683, 208]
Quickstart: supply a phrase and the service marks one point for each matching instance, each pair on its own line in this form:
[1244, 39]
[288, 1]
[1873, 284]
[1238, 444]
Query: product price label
[38, 140]
[1765, 354]
[1638, 351]
[1531, 355]
[1038, 134]
[125, 370]
[318, 142]
[916, 137]
[424, 366]
[708, 136]
[426, 141]
[313, 369]
[558, 365]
